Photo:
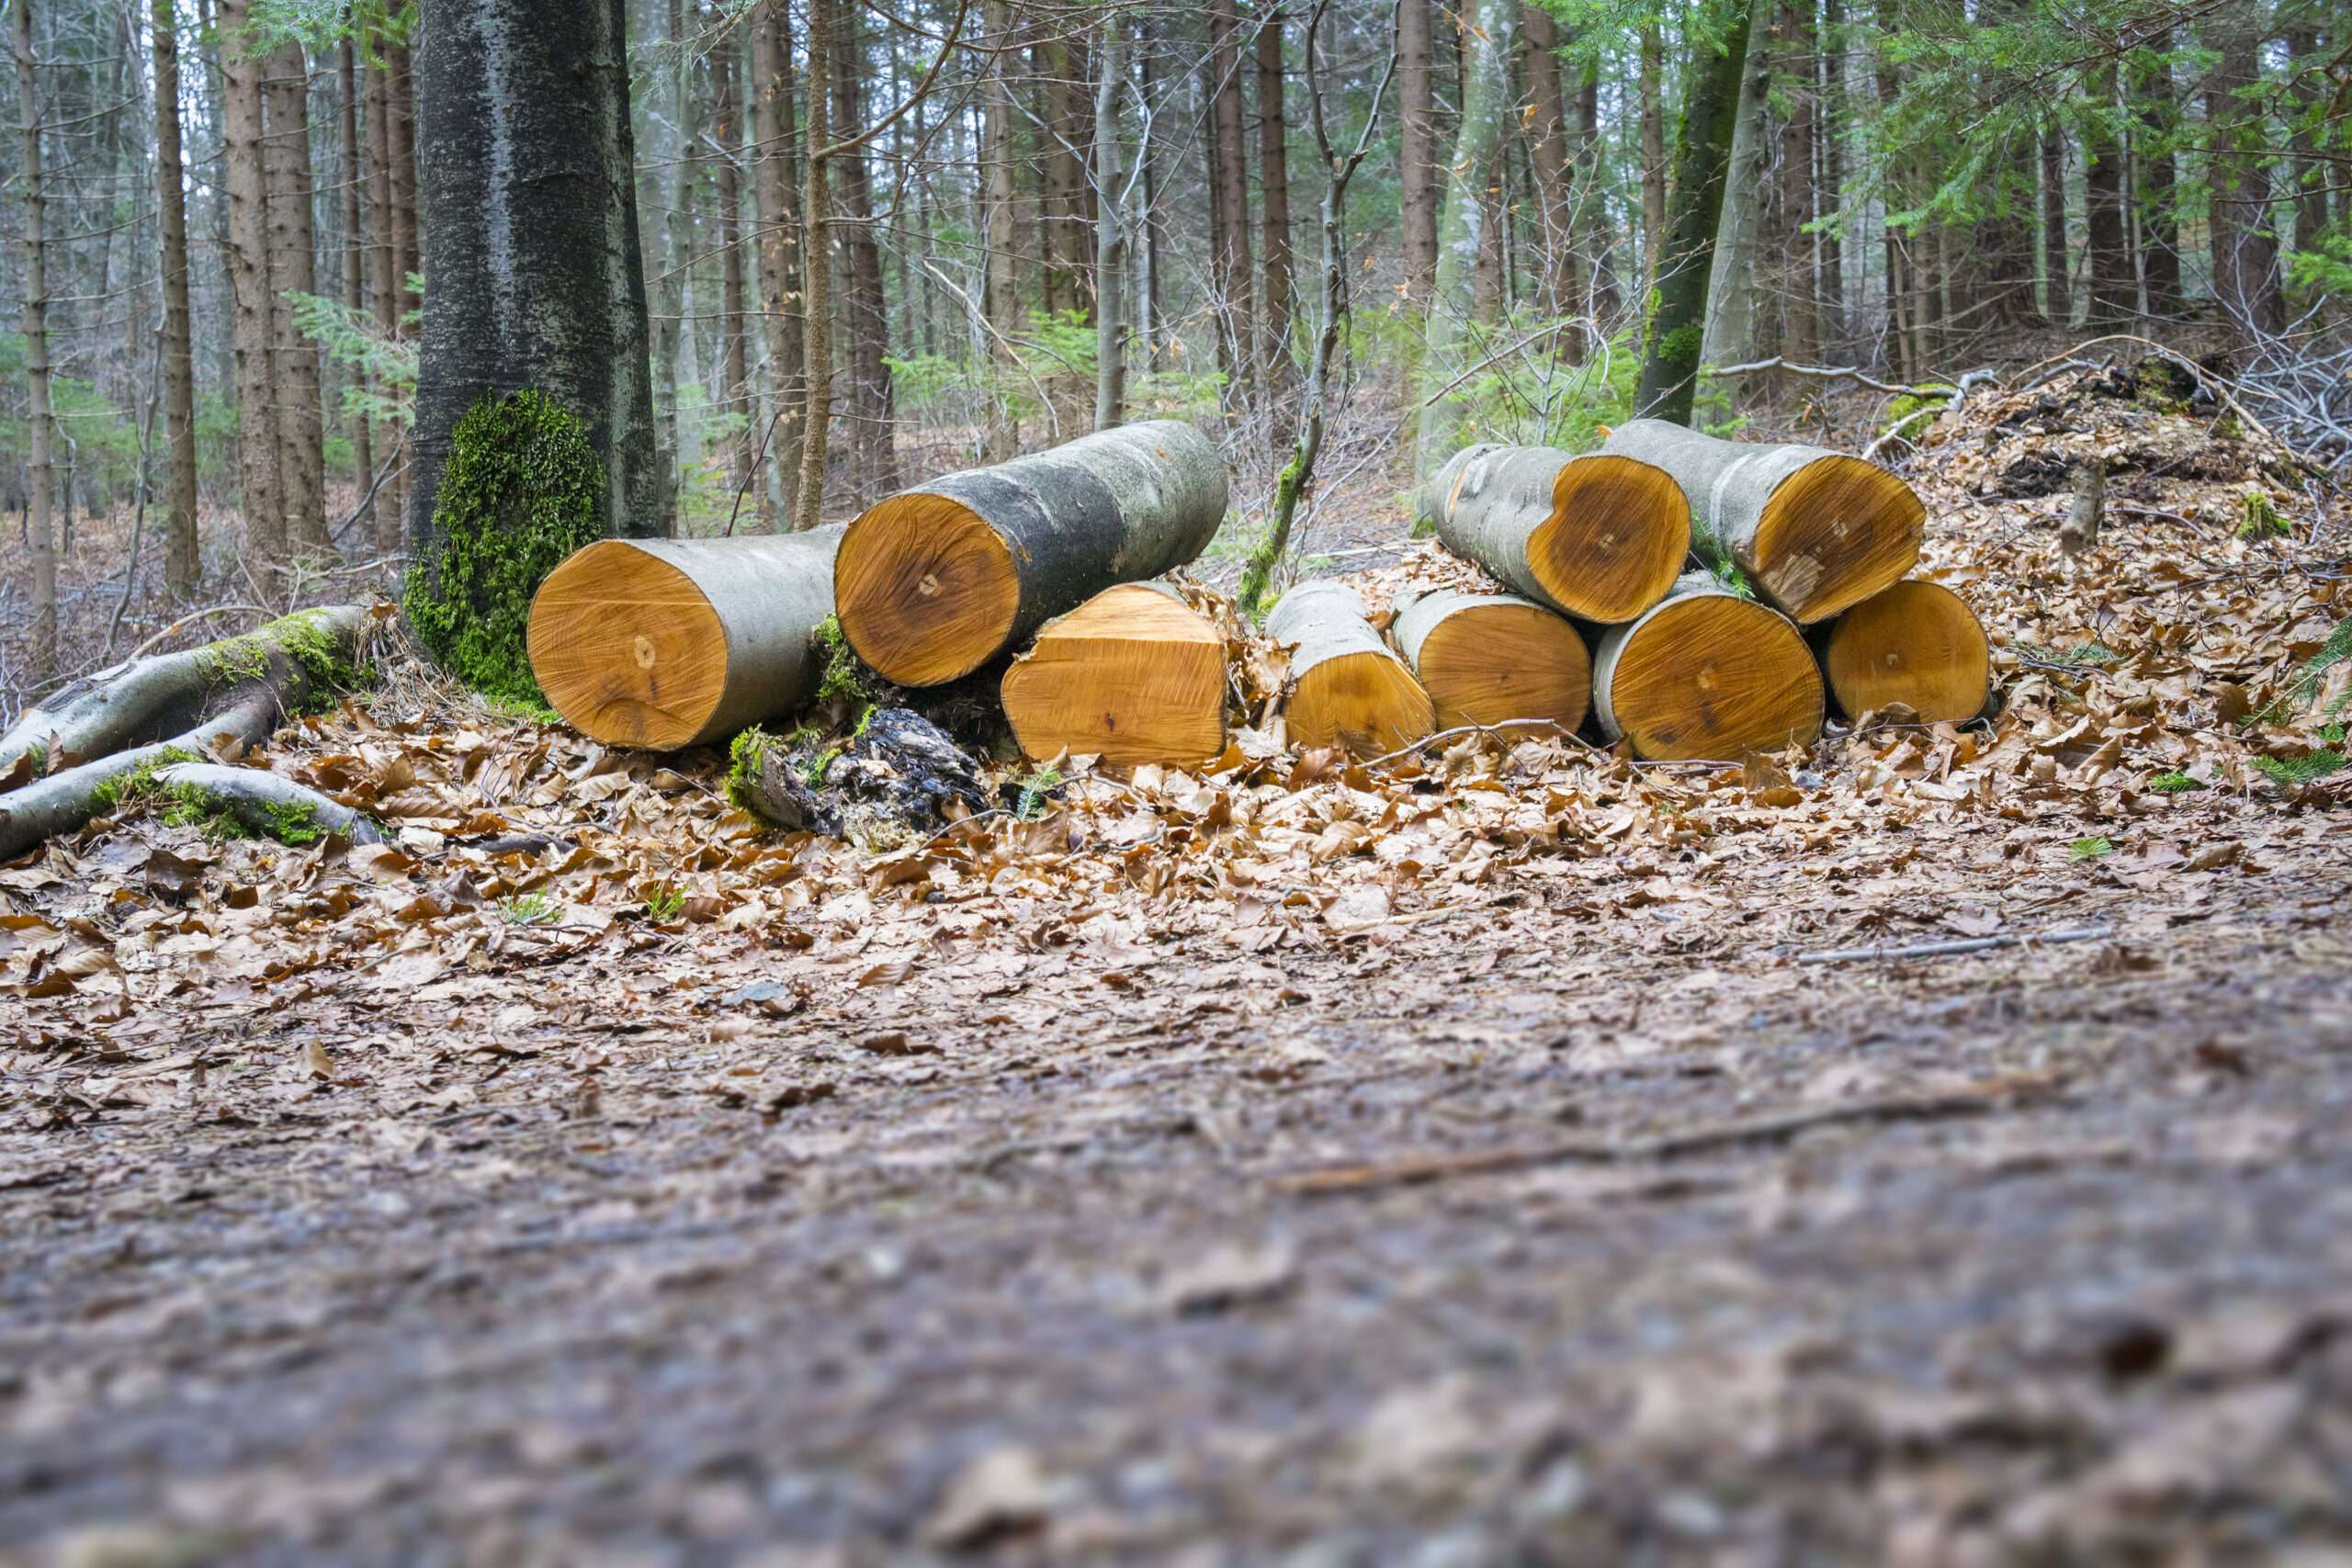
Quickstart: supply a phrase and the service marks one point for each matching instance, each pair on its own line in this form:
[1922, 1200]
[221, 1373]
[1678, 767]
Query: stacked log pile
[1685, 596]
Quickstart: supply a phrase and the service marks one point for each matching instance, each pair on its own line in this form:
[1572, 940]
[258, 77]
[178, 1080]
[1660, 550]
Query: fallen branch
[1772, 1127]
[1824, 373]
[269, 805]
[1957, 946]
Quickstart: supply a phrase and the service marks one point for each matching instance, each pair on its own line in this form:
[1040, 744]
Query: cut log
[1486, 657]
[1918, 645]
[1133, 675]
[1348, 688]
[1600, 537]
[934, 582]
[1706, 675]
[668, 643]
[1814, 531]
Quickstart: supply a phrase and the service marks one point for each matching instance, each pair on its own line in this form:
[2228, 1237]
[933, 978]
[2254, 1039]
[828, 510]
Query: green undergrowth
[1030, 803]
[2174, 783]
[2262, 518]
[522, 489]
[130, 787]
[745, 756]
[178, 804]
[2305, 689]
[2292, 771]
[2090, 849]
[841, 674]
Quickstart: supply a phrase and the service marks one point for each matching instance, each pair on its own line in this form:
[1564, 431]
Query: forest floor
[1452, 1162]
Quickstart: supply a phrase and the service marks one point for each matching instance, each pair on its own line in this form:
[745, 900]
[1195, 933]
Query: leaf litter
[1288, 1150]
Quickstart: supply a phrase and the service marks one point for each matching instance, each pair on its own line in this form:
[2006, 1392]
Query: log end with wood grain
[1601, 537]
[1917, 646]
[934, 582]
[1487, 659]
[1815, 532]
[1133, 675]
[668, 643]
[1348, 687]
[1706, 675]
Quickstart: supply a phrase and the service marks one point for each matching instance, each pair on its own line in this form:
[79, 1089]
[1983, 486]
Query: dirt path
[2033, 1252]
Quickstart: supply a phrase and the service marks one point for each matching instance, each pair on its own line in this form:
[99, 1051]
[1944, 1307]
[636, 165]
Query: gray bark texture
[1115, 506]
[1415, 618]
[248, 795]
[1488, 500]
[1323, 620]
[529, 209]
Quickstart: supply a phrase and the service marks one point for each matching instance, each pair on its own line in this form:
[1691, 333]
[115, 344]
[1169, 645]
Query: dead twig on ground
[1956, 946]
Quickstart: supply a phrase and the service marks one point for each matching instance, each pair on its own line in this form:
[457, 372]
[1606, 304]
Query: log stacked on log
[1706, 674]
[1815, 532]
[934, 582]
[1600, 537]
[1917, 646]
[1348, 688]
[1489, 658]
[667, 643]
[1133, 675]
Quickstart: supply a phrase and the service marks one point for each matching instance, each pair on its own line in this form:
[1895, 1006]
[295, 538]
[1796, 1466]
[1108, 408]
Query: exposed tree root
[266, 805]
[71, 759]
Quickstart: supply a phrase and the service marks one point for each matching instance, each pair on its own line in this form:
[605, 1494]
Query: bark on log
[1486, 658]
[1814, 531]
[934, 582]
[266, 804]
[1706, 675]
[670, 643]
[1348, 688]
[1917, 645]
[1133, 675]
[1599, 536]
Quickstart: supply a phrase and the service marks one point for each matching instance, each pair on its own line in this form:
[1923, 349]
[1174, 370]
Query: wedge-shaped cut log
[1814, 531]
[1706, 675]
[1348, 688]
[1599, 537]
[1918, 645]
[1489, 658]
[936, 581]
[668, 643]
[1133, 675]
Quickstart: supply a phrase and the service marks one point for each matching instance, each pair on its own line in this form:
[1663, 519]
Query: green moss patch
[129, 786]
[522, 489]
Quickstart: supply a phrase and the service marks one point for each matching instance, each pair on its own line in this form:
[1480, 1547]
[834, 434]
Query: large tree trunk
[1597, 537]
[670, 643]
[1916, 646]
[183, 551]
[260, 452]
[1348, 687]
[816, 275]
[1487, 659]
[1671, 344]
[674, 259]
[391, 521]
[1548, 155]
[1133, 675]
[41, 652]
[1800, 308]
[1591, 230]
[293, 269]
[934, 582]
[1814, 531]
[1651, 90]
[1273, 198]
[537, 282]
[1417, 150]
[1110, 230]
[2159, 111]
[1000, 305]
[775, 190]
[1060, 70]
[1449, 336]
[2114, 293]
[1706, 675]
[1829, 136]
[1733, 280]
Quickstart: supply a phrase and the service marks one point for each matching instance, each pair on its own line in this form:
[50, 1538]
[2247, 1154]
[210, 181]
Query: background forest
[1381, 229]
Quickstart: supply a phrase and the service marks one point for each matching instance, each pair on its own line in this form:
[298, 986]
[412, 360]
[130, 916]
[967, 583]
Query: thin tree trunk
[1274, 215]
[535, 276]
[816, 278]
[2160, 224]
[1489, 42]
[2246, 250]
[1830, 194]
[260, 495]
[183, 551]
[872, 405]
[1230, 270]
[1800, 331]
[41, 650]
[776, 196]
[1417, 150]
[1000, 303]
[400, 141]
[1651, 89]
[735, 389]
[354, 286]
[1547, 154]
[293, 269]
[2114, 294]
[667, 306]
[2057, 292]
[1733, 285]
[384, 287]
[1671, 347]
[1110, 229]
[1591, 231]
[2308, 66]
